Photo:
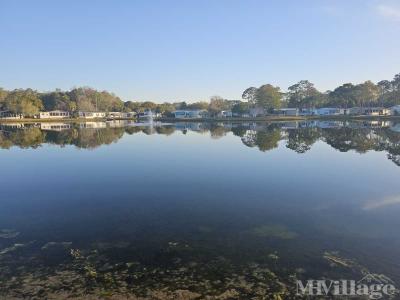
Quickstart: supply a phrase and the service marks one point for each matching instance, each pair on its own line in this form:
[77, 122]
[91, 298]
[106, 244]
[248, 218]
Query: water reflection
[195, 210]
[300, 137]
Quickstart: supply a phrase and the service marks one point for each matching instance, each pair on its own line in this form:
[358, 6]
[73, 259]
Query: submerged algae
[8, 233]
[274, 231]
[92, 274]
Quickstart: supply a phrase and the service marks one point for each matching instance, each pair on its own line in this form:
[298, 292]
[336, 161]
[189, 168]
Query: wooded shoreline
[233, 119]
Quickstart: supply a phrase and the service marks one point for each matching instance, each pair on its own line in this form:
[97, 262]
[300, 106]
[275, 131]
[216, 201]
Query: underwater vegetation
[58, 270]
[274, 231]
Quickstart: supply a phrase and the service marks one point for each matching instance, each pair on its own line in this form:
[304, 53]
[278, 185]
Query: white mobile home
[355, 111]
[329, 111]
[121, 115]
[91, 115]
[376, 111]
[225, 114]
[146, 115]
[55, 114]
[188, 114]
[257, 112]
[369, 111]
[307, 112]
[287, 111]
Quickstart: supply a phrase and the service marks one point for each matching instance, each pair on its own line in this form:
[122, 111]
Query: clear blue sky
[190, 50]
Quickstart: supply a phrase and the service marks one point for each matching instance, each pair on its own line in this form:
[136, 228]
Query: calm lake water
[239, 210]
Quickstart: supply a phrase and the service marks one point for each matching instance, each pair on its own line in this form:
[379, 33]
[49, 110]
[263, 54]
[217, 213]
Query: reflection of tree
[249, 138]
[394, 158]
[218, 131]
[268, 140]
[92, 138]
[265, 140]
[390, 141]
[167, 130]
[133, 130]
[345, 139]
[239, 131]
[85, 137]
[62, 138]
[81, 137]
[23, 138]
[362, 140]
[5, 142]
[148, 130]
[301, 140]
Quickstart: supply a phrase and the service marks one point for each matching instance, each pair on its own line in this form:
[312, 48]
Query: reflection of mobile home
[12, 126]
[119, 123]
[93, 125]
[395, 127]
[55, 126]
[375, 124]
[6, 115]
[308, 124]
[395, 110]
[193, 126]
[289, 125]
[329, 124]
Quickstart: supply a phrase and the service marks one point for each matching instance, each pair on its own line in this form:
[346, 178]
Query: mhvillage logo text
[373, 286]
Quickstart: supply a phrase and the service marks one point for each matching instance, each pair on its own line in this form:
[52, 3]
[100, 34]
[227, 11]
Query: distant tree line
[303, 94]
[30, 102]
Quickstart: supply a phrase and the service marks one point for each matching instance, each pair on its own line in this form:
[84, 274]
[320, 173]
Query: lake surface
[195, 209]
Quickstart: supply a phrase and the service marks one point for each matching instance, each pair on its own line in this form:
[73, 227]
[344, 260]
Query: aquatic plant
[274, 231]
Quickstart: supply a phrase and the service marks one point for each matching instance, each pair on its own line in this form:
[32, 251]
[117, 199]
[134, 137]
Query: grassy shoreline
[173, 120]
[283, 118]
[68, 120]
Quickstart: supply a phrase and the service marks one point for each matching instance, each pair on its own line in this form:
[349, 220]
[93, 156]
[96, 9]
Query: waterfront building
[225, 114]
[120, 115]
[257, 112]
[376, 111]
[369, 111]
[54, 114]
[91, 115]
[287, 111]
[329, 111]
[188, 114]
